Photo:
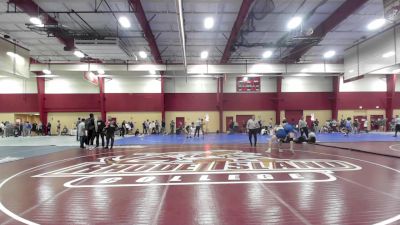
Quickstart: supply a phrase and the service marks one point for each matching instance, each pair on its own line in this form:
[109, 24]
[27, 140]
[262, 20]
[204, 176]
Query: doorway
[180, 122]
[242, 122]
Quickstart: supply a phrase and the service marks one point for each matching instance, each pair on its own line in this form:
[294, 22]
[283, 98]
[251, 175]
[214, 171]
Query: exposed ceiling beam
[148, 33]
[244, 10]
[338, 16]
[32, 9]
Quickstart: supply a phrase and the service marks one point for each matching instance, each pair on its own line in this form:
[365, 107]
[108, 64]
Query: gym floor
[216, 180]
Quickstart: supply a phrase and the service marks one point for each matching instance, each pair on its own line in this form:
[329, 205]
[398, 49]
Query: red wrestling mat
[205, 184]
[380, 148]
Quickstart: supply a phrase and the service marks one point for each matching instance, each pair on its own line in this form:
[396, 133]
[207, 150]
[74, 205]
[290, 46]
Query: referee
[397, 128]
[252, 127]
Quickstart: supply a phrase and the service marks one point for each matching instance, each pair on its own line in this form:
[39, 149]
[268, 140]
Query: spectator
[82, 133]
[172, 127]
[110, 134]
[58, 128]
[91, 129]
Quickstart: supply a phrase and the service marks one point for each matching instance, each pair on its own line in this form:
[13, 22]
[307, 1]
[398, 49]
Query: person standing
[397, 127]
[91, 129]
[81, 131]
[110, 134]
[202, 127]
[58, 128]
[48, 128]
[163, 127]
[172, 126]
[123, 128]
[100, 125]
[303, 127]
[252, 127]
[197, 130]
[76, 125]
[157, 125]
[366, 123]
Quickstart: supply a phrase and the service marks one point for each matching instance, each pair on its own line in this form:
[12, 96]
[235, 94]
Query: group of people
[95, 128]
[282, 133]
[24, 129]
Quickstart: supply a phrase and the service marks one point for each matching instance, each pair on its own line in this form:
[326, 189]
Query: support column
[220, 102]
[335, 96]
[278, 100]
[390, 91]
[102, 99]
[41, 99]
[162, 98]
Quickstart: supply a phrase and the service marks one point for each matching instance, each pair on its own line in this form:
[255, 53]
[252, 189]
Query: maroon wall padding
[191, 101]
[249, 101]
[306, 100]
[368, 100]
[72, 102]
[19, 103]
[133, 102]
[396, 100]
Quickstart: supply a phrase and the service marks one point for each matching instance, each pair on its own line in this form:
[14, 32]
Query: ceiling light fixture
[267, 54]
[152, 72]
[294, 22]
[376, 24]
[100, 71]
[12, 54]
[36, 21]
[329, 54]
[124, 22]
[245, 79]
[46, 71]
[388, 54]
[208, 23]
[143, 54]
[47, 75]
[204, 55]
[79, 54]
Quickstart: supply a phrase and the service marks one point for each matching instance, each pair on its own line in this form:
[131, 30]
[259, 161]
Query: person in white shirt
[252, 127]
[197, 130]
[366, 124]
[2, 129]
[82, 132]
[397, 127]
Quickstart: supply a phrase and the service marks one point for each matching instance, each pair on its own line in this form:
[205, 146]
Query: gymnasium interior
[194, 112]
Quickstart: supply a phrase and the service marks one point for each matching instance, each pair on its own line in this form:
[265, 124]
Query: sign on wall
[248, 84]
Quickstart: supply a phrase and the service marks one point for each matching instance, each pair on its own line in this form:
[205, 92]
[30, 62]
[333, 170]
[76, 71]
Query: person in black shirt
[100, 132]
[91, 128]
[110, 133]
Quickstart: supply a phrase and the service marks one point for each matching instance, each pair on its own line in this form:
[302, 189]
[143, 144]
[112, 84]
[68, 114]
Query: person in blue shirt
[283, 133]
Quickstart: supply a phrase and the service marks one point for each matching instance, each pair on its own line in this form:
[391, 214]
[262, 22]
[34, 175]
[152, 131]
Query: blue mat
[243, 139]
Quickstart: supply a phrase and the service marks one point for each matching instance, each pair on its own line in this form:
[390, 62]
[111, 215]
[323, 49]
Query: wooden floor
[201, 184]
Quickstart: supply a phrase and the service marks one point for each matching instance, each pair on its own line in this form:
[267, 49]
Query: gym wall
[192, 116]
[67, 119]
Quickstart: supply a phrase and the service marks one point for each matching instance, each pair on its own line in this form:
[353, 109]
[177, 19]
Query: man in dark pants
[197, 131]
[99, 132]
[397, 127]
[91, 128]
[252, 126]
[110, 133]
[77, 124]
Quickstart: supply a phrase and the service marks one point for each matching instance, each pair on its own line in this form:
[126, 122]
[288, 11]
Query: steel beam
[338, 16]
[241, 17]
[32, 9]
[148, 33]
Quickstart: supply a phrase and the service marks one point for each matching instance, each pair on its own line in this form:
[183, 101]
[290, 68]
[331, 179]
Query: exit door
[361, 120]
[180, 122]
[242, 121]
